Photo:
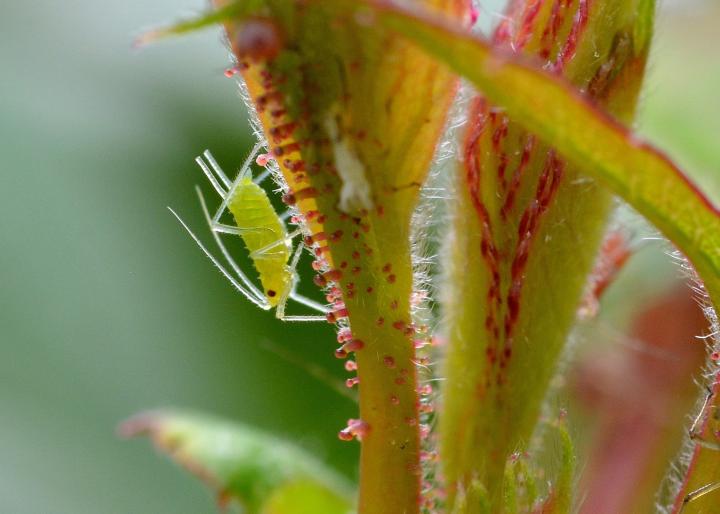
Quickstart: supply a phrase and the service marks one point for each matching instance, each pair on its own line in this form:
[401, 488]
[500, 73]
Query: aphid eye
[258, 39]
[271, 293]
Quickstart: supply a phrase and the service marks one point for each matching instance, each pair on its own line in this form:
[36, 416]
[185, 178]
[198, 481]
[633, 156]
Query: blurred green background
[106, 306]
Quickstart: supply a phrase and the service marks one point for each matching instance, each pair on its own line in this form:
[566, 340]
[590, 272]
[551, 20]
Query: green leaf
[585, 136]
[258, 471]
[209, 19]
[304, 497]
[564, 487]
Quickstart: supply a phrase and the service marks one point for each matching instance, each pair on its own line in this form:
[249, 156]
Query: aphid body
[263, 231]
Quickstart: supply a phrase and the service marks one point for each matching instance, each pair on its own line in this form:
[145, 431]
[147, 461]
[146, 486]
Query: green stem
[379, 316]
[389, 463]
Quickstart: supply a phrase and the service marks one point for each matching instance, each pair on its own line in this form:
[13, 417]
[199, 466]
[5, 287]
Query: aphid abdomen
[253, 212]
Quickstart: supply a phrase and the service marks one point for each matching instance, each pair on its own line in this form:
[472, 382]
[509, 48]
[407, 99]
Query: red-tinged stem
[704, 467]
[364, 260]
[377, 300]
[584, 134]
[389, 463]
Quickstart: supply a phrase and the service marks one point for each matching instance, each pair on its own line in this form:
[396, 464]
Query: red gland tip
[263, 159]
[354, 345]
[345, 435]
[333, 275]
[344, 335]
[425, 389]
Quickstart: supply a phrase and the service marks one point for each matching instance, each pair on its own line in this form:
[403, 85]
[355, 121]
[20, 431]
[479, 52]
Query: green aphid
[263, 231]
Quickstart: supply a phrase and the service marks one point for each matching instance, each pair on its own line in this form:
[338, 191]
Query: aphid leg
[258, 298]
[699, 493]
[707, 444]
[695, 435]
[302, 318]
[264, 251]
[221, 228]
[290, 293]
[280, 309]
[307, 302]
[225, 188]
[250, 293]
[293, 295]
[695, 428]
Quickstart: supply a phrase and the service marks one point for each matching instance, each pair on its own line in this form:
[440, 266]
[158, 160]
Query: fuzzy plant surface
[352, 99]
[530, 225]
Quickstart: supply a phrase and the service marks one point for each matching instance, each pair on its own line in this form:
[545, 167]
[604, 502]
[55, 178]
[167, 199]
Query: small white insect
[264, 234]
[695, 436]
[355, 193]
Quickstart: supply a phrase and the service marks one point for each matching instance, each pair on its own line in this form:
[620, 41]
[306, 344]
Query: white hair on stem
[425, 238]
[675, 478]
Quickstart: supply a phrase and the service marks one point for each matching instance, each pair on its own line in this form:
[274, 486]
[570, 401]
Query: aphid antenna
[213, 180]
[217, 168]
[248, 293]
[250, 290]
